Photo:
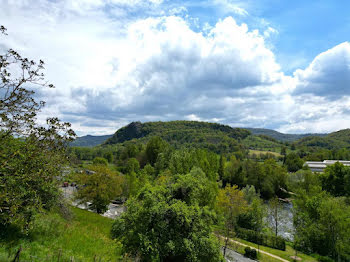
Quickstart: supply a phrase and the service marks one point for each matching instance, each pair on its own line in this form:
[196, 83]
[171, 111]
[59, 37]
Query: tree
[275, 214]
[132, 165]
[293, 162]
[155, 146]
[221, 170]
[336, 179]
[99, 188]
[32, 156]
[231, 204]
[322, 224]
[160, 225]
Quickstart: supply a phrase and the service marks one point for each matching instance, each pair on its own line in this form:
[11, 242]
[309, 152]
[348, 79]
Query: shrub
[100, 161]
[250, 253]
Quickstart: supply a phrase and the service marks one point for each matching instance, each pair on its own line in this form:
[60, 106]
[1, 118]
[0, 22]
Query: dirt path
[261, 251]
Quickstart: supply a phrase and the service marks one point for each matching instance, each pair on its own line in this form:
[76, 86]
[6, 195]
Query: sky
[283, 65]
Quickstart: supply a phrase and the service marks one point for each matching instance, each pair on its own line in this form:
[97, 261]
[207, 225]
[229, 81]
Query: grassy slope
[84, 237]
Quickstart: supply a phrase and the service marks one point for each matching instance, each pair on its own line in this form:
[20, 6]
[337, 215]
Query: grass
[283, 254]
[258, 152]
[86, 237]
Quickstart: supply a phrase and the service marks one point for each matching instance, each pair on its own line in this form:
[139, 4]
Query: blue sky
[275, 64]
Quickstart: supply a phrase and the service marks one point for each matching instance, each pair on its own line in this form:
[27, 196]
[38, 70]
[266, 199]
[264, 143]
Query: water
[285, 225]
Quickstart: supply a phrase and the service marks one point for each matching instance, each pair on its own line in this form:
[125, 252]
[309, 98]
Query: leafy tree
[195, 188]
[293, 162]
[32, 157]
[132, 166]
[158, 226]
[100, 161]
[231, 204]
[322, 224]
[99, 188]
[155, 146]
[234, 173]
[302, 180]
[336, 179]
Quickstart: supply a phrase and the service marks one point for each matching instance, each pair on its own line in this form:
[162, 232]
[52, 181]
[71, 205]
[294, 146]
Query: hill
[336, 140]
[85, 141]
[215, 137]
[281, 136]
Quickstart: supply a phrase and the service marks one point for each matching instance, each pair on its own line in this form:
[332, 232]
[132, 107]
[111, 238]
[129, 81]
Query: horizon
[267, 64]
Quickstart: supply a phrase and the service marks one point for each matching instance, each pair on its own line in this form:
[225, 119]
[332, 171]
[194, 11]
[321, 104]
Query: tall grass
[85, 237]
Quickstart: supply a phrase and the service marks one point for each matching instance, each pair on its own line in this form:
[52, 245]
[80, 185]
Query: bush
[100, 161]
[261, 239]
[250, 253]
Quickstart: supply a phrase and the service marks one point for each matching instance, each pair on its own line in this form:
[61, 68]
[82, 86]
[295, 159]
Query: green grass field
[85, 237]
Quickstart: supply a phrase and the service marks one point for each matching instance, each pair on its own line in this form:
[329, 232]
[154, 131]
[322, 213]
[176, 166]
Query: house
[316, 166]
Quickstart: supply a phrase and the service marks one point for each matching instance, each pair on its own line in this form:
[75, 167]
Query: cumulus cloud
[328, 75]
[111, 67]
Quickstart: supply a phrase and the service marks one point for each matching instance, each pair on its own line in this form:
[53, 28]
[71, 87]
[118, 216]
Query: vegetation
[178, 181]
[83, 236]
[171, 222]
[99, 188]
[32, 156]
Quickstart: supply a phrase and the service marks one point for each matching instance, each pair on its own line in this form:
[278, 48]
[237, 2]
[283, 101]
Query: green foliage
[336, 179]
[132, 165]
[293, 162]
[302, 180]
[250, 253]
[51, 238]
[100, 161]
[154, 147]
[99, 188]
[190, 134]
[322, 225]
[268, 177]
[261, 239]
[158, 226]
[32, 156]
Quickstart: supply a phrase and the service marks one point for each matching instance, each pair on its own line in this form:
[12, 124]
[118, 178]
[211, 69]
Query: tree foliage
[99, 187]
[169, 223]
[32, 156]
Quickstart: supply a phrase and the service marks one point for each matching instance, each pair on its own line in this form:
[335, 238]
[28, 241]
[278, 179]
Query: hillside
[89, 140]
[215, 137]
[281, 136]
[336, 140]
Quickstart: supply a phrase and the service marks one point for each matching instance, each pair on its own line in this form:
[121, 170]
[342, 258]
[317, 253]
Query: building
[321, 166]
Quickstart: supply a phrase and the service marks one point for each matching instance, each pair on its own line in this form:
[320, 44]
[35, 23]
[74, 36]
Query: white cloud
[231, 6]
[110, 68]
[328, 75]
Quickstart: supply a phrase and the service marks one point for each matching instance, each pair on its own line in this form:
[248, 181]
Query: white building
[320, 166]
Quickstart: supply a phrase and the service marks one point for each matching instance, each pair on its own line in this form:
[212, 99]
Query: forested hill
[281, 136]
[215, 137]
[335, 140]
[89, 140]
